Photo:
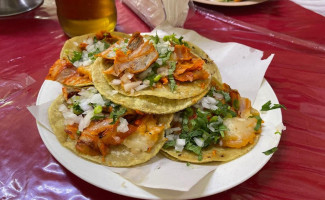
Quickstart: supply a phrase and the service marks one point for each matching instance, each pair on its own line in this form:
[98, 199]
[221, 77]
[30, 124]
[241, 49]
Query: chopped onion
[84, 122]
[218, 95]
[145, 73]
[131, 85]
[123, 126]
[170, 137]
[125, 79]
[199, 142]
[116, 82]
[180, 142]
[176, 129]
[84, 104]
[146, 82]
[163, 71]
[209, 103]
[97, 99]
[141, 87]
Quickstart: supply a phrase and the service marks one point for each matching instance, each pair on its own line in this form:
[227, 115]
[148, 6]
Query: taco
[99, 130]
[162, 67]
[77, 55]
[144, 103]
[220, 127]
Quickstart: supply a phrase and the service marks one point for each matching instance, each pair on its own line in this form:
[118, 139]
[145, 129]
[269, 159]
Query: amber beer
[78, 17]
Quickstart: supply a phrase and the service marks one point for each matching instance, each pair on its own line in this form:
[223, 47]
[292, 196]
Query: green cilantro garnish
[172, 82]
[78, 132]
[225, 95]
[155, 38]
[76, 56]
[169, 143]
[278, 132]
[270, 151]
[93, 54]
[95, 39]
[97, 117]
[267, 106]
[77, 109]
[172, 38]
[117, 113]
[258, 123]
[235, 103]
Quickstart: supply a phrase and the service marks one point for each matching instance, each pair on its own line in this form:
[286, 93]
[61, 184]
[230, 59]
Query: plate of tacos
[121, 100]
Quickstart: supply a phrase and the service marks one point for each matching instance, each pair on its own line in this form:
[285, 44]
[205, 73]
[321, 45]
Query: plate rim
[231, 4]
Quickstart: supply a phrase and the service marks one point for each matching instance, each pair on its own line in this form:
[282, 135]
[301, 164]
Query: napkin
[245, 72]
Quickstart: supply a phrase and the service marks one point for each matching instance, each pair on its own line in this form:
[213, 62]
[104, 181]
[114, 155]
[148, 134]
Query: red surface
[31, 42]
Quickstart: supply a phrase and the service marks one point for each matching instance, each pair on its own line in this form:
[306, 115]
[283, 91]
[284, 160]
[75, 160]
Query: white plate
[231, 3]
[226, 175]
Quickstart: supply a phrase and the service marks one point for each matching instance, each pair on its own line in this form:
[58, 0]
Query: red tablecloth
[31, 42]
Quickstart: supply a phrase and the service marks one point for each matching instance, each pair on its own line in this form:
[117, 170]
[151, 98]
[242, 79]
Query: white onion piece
[84, 104]
[199, 142]
[84, 122]
[141, 87]
[131, 85]
[116, 82]
[123, 126]
[180, 142]
[163, 71]
[218, 95]
[97, 99]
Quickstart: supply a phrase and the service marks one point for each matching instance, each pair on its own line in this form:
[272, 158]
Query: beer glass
[78, 17]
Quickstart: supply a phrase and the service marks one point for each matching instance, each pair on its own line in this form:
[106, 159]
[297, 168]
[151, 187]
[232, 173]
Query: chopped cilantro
[97, 117]
[76, 56]
[155, 38]
[95, 39]
[117, 113]
[172, 82]
[278, 132]
[169, 143]
[78, 132]
[258, 123]
[267, 106]
[270, 151]
[172, 38]
[235, 103]
[225, 95]
[77, 109]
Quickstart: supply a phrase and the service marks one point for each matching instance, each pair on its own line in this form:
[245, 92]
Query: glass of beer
[78, 17]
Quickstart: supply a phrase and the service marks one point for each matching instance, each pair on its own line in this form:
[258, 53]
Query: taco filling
[220, 127]
[100, 130]
[143, 62]
[73, 69]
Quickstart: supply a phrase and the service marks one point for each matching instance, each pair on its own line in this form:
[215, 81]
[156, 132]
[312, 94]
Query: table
[31, 42]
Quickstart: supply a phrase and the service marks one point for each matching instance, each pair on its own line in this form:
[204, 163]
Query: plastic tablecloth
[31, 42]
